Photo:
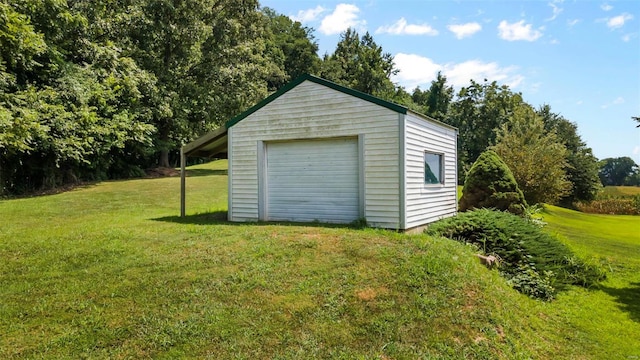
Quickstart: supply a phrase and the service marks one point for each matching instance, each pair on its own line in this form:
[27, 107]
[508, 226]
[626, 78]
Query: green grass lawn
[109, 271]
[607, 317]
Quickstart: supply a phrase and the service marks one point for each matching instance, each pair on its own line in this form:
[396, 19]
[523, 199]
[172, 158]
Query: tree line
[97, 90]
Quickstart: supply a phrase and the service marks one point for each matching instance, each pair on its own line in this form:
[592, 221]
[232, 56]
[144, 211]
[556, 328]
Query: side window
[433, 168]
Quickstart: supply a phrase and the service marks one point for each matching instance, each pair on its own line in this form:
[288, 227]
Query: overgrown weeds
[612, 205]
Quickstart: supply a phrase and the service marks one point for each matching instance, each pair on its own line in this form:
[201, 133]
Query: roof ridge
[318, 80]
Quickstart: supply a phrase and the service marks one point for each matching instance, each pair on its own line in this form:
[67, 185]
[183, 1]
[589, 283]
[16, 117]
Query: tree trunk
[2, 185]
[164, 158]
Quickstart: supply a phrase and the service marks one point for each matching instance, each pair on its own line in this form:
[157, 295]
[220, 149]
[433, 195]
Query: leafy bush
[490, 184]
[532, 260]
[530, 282]
[533, 214]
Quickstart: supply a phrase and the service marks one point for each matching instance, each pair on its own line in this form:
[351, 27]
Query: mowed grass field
[110, 271]
[610, 313]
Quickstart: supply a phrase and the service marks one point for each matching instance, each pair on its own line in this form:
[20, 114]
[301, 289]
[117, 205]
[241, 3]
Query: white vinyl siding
[313, 111]
[313, 180]
[426, 203]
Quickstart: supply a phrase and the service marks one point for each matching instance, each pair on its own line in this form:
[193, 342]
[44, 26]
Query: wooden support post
[183, 161]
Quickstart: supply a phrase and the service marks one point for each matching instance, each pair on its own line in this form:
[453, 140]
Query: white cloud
[401, 27]
[343, 17]
[573, 22]
[517, 31]
[556, 11]
[464, 30]
[618, 21]
[579, 102]
[554, 42]
[415, 70]
[308, 15]
[419, 70]
[636, 150]
[628, 37]
[460, 74]
[617, 101]
[606, 7]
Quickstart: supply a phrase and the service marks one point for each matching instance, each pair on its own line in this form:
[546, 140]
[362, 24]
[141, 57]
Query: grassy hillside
[607, 317]
[109, 271]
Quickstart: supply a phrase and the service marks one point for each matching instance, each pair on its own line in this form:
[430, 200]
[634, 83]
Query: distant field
[621, 190]
[109, 271]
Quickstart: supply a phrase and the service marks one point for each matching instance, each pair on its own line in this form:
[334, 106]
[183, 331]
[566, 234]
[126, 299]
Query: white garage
[317, 151]
[313, 180]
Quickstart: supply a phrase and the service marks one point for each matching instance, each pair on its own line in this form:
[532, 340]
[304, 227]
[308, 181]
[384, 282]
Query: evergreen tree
[360, 64]
[435, 101]
[439, 97]
[419, 98]
[490, 184]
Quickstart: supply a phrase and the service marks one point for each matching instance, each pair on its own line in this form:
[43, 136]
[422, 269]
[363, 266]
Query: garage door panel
[313, 180]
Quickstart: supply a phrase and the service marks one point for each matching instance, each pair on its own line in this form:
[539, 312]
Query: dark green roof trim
[370, 98]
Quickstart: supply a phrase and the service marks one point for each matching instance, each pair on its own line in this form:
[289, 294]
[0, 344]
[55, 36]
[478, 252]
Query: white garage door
[313, 180]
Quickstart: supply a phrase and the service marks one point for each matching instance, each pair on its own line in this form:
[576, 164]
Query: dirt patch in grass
[369, 294]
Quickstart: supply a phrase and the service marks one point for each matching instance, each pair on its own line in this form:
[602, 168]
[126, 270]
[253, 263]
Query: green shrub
[490, 184]
[529, 281]
[523, 248]
[580, 273]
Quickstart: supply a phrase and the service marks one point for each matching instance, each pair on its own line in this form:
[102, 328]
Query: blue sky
[580, 57]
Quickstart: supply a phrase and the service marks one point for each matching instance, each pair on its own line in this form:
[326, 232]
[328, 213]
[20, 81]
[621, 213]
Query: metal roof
[210, 144]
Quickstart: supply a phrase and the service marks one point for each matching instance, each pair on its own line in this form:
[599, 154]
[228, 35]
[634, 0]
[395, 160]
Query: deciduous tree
[293, 47]
[582, 166]
[209, 61]
[616, 171]
[479, 110]
[70, 105]
[536, 157]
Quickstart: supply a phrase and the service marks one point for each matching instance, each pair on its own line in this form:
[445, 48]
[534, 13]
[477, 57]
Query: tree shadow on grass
[209, 218]
[220, 218]
[628, 299]
[205, 172]
[54, 191]
[90, 184]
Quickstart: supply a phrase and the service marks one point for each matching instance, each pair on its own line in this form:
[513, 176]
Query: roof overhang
[212, 144]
